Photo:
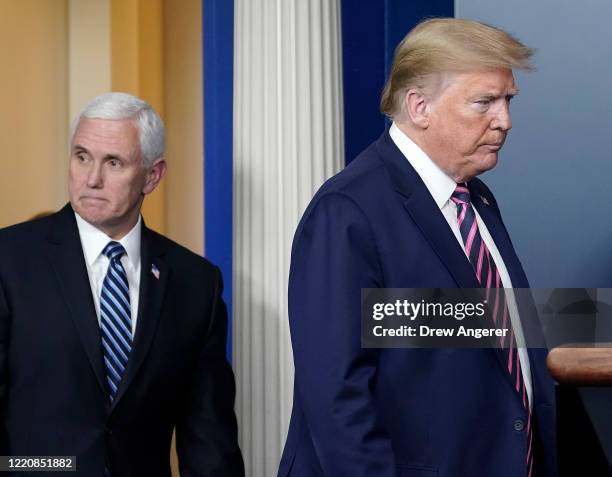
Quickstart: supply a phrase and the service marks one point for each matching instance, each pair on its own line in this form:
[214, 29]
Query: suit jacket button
[108, 432]
[519, 425]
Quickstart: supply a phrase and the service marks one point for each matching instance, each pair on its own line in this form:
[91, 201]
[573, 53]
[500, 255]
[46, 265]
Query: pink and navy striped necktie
[488, 277]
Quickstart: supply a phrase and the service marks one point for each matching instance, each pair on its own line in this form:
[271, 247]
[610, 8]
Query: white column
[288, 138]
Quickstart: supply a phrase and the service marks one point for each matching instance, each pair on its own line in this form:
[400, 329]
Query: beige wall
[33, 116]
[57, 54]
[184, 109]
[137, 68]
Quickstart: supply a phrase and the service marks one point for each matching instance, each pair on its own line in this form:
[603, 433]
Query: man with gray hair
[409, 212]
[111, 335]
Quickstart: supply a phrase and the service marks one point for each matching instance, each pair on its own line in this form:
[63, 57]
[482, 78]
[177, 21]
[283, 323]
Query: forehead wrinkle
[106, 139]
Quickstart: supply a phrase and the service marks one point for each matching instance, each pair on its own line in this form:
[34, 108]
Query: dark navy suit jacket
[397, 412]
[53, 396]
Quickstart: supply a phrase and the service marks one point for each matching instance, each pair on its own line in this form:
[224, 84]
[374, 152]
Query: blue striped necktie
[115, 318]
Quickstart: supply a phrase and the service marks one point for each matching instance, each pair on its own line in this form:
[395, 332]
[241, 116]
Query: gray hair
[117, 106]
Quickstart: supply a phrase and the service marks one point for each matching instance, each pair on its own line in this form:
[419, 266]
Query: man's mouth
[93, 199]
[492, 147]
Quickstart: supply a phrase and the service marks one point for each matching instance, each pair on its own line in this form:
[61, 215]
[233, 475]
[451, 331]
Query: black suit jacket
[53, 395]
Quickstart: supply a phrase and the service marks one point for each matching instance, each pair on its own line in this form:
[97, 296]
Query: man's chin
[95, 215]
[487, 163]
[94, 220]
[474, 166]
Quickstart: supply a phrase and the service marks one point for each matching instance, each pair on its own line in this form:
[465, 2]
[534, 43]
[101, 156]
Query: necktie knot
[461, 195]
[113, 250]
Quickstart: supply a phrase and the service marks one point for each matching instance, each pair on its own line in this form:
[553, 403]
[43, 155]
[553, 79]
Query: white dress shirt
[93, 242]
[441, 188]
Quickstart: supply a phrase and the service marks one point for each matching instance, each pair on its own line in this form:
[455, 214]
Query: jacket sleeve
[207, 435]
[334, 256]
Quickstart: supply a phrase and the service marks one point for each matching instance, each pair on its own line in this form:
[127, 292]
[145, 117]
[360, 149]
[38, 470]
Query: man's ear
[417, 107]
[154, 175]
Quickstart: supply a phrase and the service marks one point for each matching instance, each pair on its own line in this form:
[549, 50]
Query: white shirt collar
[440, 185]
[93, 241]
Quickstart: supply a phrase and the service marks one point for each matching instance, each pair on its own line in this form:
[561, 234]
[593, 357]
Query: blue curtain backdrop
[218, 50]
[371, 29]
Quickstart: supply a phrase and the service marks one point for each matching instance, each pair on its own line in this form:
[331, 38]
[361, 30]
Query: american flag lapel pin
[485, 200]
[155, 271]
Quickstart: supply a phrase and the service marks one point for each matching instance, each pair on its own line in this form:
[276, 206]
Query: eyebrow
[108, 157]
[490, 96]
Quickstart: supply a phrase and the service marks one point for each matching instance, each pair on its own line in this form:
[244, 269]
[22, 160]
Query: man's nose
[94, 176]
[502, 119]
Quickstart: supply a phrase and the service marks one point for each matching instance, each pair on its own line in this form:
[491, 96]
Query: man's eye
[114, 163]
[483, 102]
[81, 157]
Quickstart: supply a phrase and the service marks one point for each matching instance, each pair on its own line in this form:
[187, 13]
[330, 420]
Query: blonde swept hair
[448, 45]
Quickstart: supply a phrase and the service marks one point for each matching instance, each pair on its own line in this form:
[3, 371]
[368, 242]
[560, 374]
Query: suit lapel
[154, 272]
[434, 227]
[67, 259]
[425, 213]
[483, 203]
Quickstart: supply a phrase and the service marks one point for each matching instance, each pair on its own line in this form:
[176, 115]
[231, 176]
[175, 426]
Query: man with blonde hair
[409, 212]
